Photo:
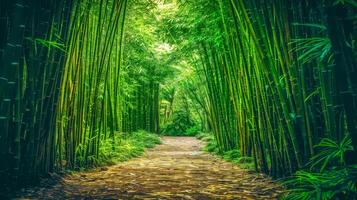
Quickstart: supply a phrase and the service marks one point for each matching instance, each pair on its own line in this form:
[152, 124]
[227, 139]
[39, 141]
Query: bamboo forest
[178, 99]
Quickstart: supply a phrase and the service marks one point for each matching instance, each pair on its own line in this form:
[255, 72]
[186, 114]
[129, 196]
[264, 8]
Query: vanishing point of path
[177, 169]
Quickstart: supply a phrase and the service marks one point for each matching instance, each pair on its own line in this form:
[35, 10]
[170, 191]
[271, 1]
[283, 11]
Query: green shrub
[211, 144]
[201, 135]
[181, 124]
[328, 177]
[122, 149]
[206, 137]
[212, 147]
[330, 184]
[144, 139]
[243, 161]
[232, 155]
[193, 131]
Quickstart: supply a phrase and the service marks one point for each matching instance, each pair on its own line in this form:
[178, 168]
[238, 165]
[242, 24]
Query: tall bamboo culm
[90, 92]
[32, 61]
[282, 68]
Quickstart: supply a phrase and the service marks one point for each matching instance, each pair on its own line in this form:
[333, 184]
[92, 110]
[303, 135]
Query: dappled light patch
[177, 169]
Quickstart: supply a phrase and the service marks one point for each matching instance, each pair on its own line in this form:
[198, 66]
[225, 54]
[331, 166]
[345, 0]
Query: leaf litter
[177, 169]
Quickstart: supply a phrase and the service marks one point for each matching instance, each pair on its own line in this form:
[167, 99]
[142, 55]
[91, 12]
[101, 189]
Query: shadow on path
[177, 169]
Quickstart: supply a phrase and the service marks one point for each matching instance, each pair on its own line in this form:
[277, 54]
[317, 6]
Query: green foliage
[144, 139]
[193, 131]
[236, 157]
[331, 153]
[88, 110]
[181, 115]
[332, 184]
[121, 149]
[202, 136]
[32, 57]
[117, 149]
[211, 144]
[336, 182]
[313, 49]
[48, 43]
[233, 156]
[179, 125]
[267, 81]
[212, 147]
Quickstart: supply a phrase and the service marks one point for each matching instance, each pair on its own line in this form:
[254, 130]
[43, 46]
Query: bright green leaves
[312, 49]
[333, 178]
[321, 186]
[331, 151]
[48, 43]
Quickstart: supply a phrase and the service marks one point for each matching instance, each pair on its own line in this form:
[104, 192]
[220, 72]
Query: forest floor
[177, 169]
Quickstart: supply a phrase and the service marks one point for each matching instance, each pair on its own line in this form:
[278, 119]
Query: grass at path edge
[233, 156]
[120, 150]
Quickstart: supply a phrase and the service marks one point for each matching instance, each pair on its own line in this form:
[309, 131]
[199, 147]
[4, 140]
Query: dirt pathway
[177, 169]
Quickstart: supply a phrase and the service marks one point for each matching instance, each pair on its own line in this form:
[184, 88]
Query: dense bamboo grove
[67, 85]
[274, 80]
[279, 78]
[32, 62]
[89, 101]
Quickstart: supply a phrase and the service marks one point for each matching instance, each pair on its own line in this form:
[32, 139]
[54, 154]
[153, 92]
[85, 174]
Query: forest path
[177, 169]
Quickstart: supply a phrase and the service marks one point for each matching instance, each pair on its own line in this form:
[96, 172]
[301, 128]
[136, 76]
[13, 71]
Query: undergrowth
[326, 176]
[123, 148]
[233, 156]
[172, 130]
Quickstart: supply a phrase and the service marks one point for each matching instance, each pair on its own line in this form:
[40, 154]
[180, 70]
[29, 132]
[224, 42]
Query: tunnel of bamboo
[274, 80]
